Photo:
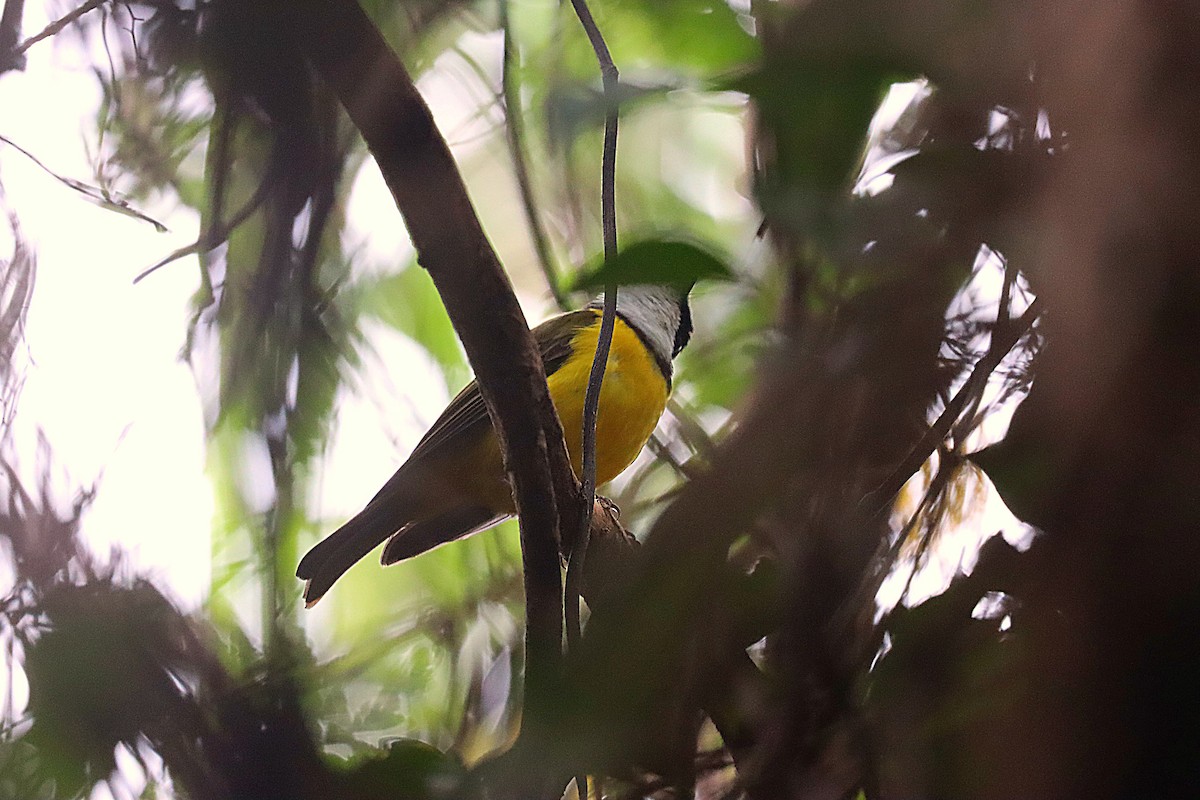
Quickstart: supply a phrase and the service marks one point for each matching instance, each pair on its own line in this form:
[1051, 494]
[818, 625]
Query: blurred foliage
[207, 109]
[874, 186]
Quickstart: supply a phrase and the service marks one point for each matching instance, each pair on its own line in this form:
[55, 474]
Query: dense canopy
[920, 519]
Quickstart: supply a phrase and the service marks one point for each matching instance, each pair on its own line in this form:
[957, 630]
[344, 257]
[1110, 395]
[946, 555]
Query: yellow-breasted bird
[453, 484]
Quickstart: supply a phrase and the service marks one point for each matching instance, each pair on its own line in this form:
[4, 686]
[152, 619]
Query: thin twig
[969, 419]
[600, 361]
[1003, 340]
[591, 403]
[58, 25]
[690, 431]
[213, 237]
[134, 19]
[515, 133]
[930, 511]
[97, 194]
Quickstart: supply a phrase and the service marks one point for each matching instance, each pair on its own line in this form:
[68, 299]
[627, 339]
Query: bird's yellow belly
[632, 399]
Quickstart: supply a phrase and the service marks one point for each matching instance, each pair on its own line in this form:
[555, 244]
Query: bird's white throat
[654, 311]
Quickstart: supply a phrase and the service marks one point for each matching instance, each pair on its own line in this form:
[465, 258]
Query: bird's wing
[385, 514]
[467, 409]
[427, 534]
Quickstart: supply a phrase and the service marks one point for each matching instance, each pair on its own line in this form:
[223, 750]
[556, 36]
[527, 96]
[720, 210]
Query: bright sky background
[104, 382]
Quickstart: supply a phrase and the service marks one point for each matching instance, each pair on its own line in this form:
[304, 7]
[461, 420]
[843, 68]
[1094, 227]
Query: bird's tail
[390, 514]
[427, 534]
[409, 494]
[340, 550]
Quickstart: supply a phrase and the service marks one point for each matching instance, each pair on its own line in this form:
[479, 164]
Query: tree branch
[10, 31]
[370, 81]
[1005, 337]
[57, 25]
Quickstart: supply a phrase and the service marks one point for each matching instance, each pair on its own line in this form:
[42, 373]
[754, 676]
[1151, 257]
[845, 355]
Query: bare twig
[215, 235]
[1004, 338]
[57, 25]
[98, 195]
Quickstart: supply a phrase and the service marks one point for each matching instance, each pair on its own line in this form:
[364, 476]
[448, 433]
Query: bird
[453, 484]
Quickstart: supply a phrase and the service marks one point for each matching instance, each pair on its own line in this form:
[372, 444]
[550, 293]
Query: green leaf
[659, 261]
[690, 38]
[573, 108]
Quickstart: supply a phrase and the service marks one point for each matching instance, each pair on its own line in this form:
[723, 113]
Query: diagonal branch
[1005, 337]
[58, 25]
[350, 54]
[97, 194]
